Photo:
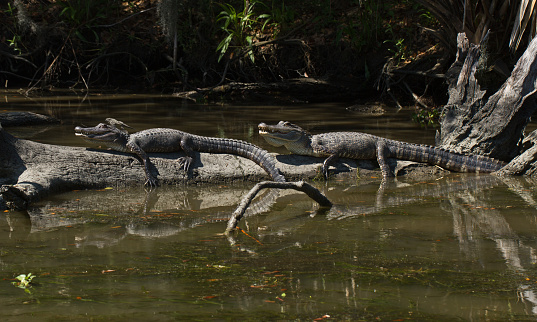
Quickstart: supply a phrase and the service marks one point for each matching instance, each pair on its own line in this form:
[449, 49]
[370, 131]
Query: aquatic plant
[24, 281]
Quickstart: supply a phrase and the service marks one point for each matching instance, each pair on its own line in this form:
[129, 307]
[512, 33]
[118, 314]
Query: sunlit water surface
[462, 247]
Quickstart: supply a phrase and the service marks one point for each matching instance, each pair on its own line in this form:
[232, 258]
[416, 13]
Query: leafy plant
[476, 19]
[14, 42]
[10, 10]
[400, 50]
[239, 25]
[278, 18]
[427, 117]
[24, 281]
[364, 27]
[82, 15]
[525, 20]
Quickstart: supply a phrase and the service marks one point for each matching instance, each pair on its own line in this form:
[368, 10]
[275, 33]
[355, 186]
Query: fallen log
[30, 170]
[25, 118]
[298, 90]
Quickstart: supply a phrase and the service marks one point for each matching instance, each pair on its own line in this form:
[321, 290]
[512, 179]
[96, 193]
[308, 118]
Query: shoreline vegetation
[365, 48]
[397, 51]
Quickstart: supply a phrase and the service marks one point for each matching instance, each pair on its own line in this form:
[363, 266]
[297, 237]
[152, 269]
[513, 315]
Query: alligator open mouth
[282, 127]
[101, 132]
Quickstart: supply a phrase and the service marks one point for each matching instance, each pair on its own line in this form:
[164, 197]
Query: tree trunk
[495, 126]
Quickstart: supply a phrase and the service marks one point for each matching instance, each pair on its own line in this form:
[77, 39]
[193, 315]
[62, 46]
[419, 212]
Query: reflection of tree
[397, 194]
[474, 221]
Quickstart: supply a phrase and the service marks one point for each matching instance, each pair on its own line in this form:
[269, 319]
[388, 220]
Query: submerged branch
[305, 187]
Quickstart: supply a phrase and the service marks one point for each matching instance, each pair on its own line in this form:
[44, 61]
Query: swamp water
[462, 247]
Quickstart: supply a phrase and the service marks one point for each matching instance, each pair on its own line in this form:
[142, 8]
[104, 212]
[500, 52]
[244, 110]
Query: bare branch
[305, 187]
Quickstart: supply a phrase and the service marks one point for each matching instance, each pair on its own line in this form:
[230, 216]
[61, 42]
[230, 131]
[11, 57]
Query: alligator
[171, 140]
[363, 146]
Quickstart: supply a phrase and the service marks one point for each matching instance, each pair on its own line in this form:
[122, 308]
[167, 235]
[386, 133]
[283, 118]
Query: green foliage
[427, 117]
[24, 281]
[363, 29]
[203, 32]
[240, 26]
[10, 10]
[427, 19]
[83, 15]
[14, 42]
[399, 51]
[278, 18]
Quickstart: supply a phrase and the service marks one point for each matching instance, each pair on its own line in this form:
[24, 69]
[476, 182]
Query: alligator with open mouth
[363, 146]
[114, 136]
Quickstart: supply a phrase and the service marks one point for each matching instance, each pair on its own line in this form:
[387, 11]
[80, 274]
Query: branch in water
[305, 187]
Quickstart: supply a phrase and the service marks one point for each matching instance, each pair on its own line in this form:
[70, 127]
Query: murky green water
[459, 248]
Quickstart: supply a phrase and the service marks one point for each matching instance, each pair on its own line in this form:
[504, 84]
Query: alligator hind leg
[187, 160]
[326, 164]
[381, 158]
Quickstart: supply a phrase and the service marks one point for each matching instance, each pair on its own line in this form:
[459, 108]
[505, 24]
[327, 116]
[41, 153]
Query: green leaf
[64, 10]
[79, 35]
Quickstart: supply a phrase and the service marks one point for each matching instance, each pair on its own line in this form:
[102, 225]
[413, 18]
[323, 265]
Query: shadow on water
[461, 247]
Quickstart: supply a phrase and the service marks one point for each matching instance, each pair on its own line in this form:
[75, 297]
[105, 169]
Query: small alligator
[170, 140]
[356, 145]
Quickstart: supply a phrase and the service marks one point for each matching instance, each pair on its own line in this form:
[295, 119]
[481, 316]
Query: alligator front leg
[381, 158]
[134, 148]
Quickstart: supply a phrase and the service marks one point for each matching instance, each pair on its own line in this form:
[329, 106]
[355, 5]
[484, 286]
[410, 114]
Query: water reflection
[475, 219]
[465, 197]
[482, 208]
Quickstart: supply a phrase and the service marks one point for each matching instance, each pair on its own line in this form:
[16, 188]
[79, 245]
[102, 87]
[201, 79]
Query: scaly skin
[356, 145]
[170, 140]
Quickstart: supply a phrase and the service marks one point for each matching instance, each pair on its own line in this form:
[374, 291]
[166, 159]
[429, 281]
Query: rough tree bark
[494, 127]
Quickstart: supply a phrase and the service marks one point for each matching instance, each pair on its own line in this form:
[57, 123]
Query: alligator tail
[446, 159]
[243, 149]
